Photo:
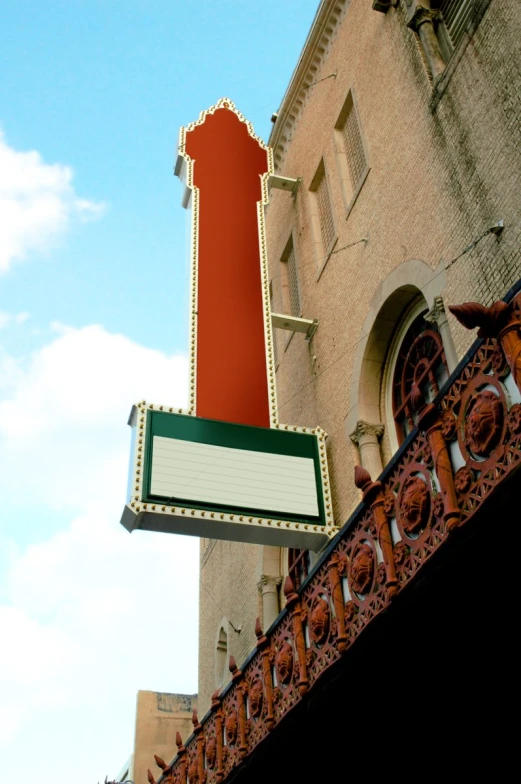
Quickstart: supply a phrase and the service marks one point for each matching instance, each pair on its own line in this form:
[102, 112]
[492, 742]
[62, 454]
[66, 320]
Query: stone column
[269, 588]
[438, 316]
[420, 18]
[366, 436]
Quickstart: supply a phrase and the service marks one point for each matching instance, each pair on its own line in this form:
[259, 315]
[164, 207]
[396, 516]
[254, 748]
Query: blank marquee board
[221, 480]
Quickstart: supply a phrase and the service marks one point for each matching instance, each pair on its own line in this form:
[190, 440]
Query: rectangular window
[290, 290]
[350, 151]
[322, 217]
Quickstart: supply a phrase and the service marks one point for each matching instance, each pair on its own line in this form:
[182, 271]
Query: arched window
[419, 363]
[299, 566]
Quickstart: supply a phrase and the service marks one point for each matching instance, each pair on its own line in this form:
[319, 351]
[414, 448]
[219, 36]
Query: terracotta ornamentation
[267, 660]
[217, 710]
[463, 479]
[514, 419]
[484, 423]
[500, 321]
[231, 726]
[241, 691]
[319, 622]
[295, 608]
[499, 363]
[211, 751]
[438, 506]
[362, 569]
[256, 698]
[401, 552]
[374, 496]
[284, 663]
[350, 610]
[333, 568]
[414, 505]
[448, 425]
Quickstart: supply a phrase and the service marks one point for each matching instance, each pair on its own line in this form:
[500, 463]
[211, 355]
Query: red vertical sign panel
[231, 373]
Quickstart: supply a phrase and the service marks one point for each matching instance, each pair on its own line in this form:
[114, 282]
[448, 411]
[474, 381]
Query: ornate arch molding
[393, 295]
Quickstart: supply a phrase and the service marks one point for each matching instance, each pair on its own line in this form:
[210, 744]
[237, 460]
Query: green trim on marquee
[225, 434]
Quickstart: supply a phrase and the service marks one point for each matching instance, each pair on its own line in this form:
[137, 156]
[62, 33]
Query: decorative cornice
[366, 429]
[316, 47]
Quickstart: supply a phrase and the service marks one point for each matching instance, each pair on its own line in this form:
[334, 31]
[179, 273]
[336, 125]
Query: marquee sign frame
[238, 445]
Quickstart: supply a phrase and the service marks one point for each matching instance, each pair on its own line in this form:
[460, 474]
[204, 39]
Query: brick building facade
[402, 125]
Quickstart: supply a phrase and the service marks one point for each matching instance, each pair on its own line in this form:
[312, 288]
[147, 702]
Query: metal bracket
[295, 324]
[284, 183]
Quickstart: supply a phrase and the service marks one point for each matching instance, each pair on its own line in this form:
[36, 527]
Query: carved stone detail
[319, 621]
[362, 569]
[231, 726]
[484, 422]
[284, 663]
[514, 419]
[366, 429]
[211, 752]
[463, 479]
[256, 698]
[414, 505]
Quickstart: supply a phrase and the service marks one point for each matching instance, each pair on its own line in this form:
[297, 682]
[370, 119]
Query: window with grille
[354, 148]
[453, 22]
[350, 152]
[420, 369]
[290, 289]
[322, 212]
[299, 566]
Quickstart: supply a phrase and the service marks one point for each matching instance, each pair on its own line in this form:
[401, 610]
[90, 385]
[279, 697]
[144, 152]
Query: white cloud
[37, 203]
[9, 318]
[89, 614]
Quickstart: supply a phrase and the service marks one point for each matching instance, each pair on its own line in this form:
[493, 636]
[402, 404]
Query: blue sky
[93, 316]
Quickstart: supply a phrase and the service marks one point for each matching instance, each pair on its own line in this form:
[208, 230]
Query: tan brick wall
[230, 572]
[440, 175]
[158, 717]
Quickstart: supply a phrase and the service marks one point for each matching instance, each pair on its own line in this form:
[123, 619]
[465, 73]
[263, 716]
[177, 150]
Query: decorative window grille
[354, 148]
[420, 367]
[290, 281]
[325, 213]
[299, 566]
[455, 16]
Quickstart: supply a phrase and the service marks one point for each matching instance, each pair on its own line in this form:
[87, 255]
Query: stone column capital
[269, 582]
[374, 431]
[419, 12]
[437, 311]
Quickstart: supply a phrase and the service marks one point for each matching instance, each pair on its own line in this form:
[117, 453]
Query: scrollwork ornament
[514, 419]
[448, 425]
[310, 656]
[342, 566]
[463, 480]
[499, 363]
[438, 505]
[362, 568]
[484, 422]
[193, 773]
[211, 753]
[231, 726]
[319, 620]
[389, 501]
[284, 663]
[401, 553]
[414, 505]
[350, 610]
[427, 456]
[381, 574]
[256, 698]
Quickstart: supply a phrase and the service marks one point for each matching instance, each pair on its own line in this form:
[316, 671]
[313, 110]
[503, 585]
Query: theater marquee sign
[226, 468]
